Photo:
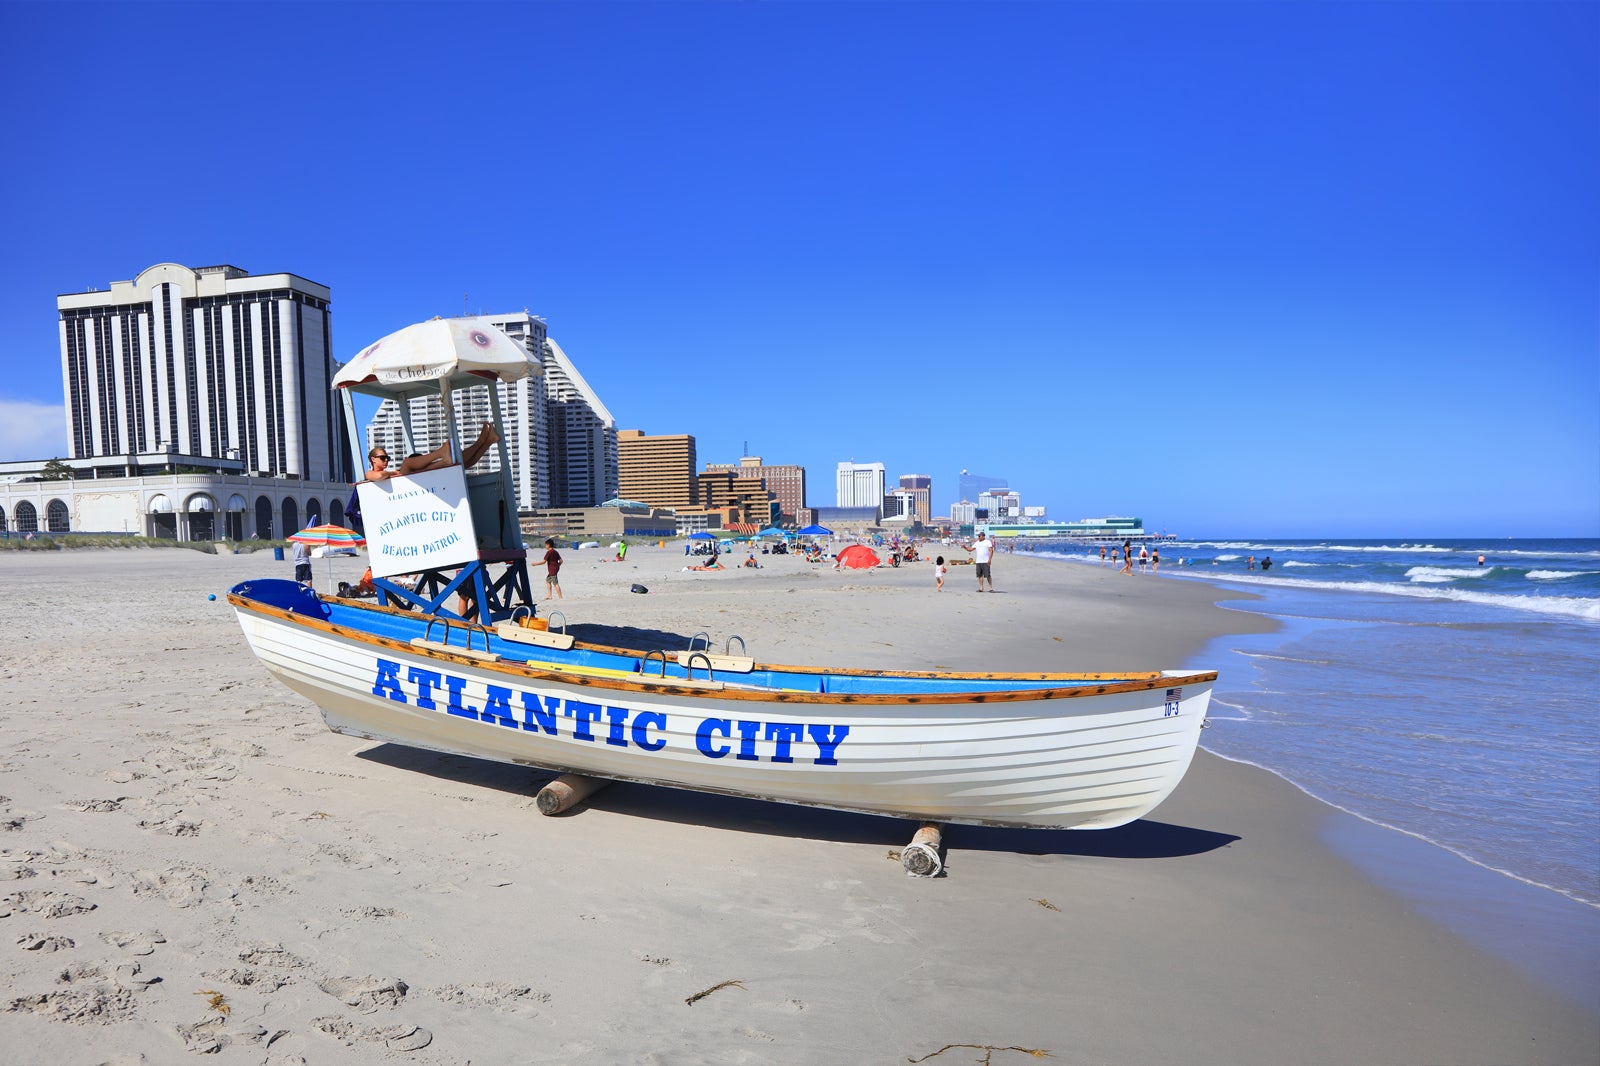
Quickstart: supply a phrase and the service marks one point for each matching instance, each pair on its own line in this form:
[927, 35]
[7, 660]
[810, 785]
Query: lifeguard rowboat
[1087, 751]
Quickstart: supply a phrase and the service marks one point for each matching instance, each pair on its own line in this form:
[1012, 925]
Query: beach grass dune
[191, 863]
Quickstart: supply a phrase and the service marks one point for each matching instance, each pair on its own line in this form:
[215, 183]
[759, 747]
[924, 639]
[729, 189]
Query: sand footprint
[47, 904]
[499, 996]
[394, 1037]
[271, 955]
[43, 943]
[366, 994]
[181, 886]
[139, 943]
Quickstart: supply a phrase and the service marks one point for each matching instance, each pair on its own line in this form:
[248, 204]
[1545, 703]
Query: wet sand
[180, 834]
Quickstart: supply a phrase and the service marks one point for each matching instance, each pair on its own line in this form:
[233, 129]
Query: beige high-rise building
[658, 470]
[786, 482]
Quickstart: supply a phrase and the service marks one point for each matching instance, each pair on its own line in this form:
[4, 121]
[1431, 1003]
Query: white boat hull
[1090, 754]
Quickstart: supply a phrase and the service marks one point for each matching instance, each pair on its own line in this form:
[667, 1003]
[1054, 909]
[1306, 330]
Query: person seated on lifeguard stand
[439, 457]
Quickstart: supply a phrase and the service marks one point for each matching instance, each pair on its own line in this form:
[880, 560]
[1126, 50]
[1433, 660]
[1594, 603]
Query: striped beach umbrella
[329, 536]
[332, 536]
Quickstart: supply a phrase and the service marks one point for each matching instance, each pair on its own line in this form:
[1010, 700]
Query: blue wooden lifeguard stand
[412, 364]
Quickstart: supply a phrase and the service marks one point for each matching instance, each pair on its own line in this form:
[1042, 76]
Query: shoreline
[339, 892]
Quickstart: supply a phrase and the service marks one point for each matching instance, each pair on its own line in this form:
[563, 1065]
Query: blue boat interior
[296, 598]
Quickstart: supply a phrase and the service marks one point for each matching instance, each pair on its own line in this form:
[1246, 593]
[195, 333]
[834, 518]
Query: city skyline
[1288, 270]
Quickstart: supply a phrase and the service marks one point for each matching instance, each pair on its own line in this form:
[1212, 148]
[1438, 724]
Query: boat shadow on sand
[1143, 839]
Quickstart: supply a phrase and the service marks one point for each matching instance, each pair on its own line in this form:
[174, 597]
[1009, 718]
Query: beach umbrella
[441, 349]
[816, 531]
[773, 531]
[329, 537]
[702, 535]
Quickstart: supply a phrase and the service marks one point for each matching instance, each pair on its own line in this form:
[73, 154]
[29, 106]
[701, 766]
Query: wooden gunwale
[674, 686]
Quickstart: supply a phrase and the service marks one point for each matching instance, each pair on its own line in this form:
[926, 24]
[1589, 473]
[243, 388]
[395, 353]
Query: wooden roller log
[567, 790]
[920, 858]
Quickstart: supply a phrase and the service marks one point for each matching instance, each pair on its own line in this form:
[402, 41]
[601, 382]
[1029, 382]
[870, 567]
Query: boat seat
[542, 637]
[471, 653]
[731, 664]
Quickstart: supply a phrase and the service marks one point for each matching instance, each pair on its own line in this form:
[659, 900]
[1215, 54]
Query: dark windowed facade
[207, 362]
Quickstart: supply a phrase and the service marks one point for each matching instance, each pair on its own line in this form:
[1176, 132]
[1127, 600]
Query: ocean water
[1421, 691]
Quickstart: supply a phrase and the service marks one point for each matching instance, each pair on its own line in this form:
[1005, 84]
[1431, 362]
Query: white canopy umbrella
[429, 355]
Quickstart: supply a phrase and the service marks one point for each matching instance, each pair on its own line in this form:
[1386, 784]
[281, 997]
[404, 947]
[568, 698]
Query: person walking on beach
[552, 565]
[1155, 560]
[1127, 557]
[1144, 558]
[939, 570]
[982, 555]
[1102, 555]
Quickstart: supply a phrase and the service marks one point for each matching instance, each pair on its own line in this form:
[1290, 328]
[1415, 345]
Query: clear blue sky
[1288, 269]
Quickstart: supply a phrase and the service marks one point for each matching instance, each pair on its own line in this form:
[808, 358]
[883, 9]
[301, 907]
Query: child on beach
[939, 571]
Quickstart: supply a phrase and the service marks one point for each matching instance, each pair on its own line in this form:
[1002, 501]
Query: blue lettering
[748, 731]
[641, 726]
[535, 717]
[619, 718]
[702, 737]
[498, 707]
[785, 733]
[585, 713]
[457, 708]
[827, 742]
[426, 681]
[388, 681]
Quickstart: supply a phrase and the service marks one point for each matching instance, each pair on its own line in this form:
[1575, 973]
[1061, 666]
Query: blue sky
[1291, 269]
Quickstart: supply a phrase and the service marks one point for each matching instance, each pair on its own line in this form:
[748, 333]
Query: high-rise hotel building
[203, 363]
[658, 470]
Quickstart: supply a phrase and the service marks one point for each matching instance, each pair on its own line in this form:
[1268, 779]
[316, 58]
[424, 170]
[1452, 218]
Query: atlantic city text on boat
[619, 726]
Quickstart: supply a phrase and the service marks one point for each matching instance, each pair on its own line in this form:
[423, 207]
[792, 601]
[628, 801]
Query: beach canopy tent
[816, 531]
[774, 531]
[438, 358]
[859, 557]
[701, 535]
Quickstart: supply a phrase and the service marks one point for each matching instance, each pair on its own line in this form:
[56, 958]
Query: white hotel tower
[562, 440]
[208, 362]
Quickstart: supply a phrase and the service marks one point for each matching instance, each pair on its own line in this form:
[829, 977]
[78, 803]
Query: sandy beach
[192, 863]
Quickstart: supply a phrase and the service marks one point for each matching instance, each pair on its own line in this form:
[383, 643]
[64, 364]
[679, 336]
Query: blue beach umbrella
[702, 535]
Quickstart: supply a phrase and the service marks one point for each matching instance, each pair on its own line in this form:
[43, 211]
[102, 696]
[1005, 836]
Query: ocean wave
[1576, 897]
[1586, 609]
[1281, 658]
[1558, 575]
[1435, 575]
[1258, 546]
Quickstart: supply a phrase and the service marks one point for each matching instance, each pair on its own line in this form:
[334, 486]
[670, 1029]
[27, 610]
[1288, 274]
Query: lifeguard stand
[453, 525]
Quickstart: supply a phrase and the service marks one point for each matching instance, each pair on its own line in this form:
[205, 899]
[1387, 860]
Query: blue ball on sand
[211, 595]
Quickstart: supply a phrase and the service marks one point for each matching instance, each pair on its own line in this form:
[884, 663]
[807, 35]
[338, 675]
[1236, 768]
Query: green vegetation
[56, 470]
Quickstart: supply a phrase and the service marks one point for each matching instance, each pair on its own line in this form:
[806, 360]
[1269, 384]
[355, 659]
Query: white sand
[177, 827]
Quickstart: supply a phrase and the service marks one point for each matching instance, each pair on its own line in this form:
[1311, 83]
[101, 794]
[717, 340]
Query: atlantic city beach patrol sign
[420, 522]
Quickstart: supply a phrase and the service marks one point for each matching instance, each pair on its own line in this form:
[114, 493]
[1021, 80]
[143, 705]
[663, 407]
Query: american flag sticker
[1174, 693]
